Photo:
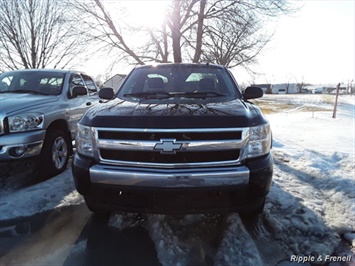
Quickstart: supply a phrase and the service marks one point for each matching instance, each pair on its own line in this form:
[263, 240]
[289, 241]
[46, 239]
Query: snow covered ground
[310, 208]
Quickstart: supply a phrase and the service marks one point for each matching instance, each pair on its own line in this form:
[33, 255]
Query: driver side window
[75, 80]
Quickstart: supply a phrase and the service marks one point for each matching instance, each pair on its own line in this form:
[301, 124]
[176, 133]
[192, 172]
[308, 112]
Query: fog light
[20, 151]
[17, 152]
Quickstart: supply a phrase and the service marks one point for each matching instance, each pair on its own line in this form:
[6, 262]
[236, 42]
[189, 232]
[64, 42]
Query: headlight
[84, 140]
[25, 122]
[259, 141]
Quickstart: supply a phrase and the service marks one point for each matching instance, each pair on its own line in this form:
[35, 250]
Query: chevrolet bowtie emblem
[168, 146]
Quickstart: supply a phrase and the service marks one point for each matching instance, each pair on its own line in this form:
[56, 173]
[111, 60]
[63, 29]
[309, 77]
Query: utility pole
[336, 101]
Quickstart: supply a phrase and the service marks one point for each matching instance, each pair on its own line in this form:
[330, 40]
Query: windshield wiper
[202, 94]
[150, 95]
[166, 95]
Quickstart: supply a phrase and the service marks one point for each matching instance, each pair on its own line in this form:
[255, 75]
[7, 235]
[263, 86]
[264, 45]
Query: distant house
[319, 89]
[115, 81]
[278, 88]
[285, 88]
[342, 90]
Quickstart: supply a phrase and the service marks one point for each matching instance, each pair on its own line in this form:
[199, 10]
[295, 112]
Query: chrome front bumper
[31, 143]
[207, 177]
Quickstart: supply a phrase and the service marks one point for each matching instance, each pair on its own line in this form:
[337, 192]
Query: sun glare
[147, 13]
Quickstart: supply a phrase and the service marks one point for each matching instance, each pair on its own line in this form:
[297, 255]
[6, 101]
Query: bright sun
[147, 13]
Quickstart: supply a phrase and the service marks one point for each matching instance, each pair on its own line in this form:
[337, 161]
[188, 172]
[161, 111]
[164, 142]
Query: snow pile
[53, 193]
[170, 250]
[237, 247]
[312, 200]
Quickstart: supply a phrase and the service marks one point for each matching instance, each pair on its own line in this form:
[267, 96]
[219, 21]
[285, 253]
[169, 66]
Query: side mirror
[106, 93]
[253, 92]
[79, 90]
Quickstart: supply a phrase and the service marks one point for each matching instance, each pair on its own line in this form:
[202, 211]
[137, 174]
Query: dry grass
[270, 104]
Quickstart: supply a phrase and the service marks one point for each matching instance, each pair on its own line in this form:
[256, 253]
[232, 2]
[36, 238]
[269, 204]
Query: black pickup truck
[175, 138]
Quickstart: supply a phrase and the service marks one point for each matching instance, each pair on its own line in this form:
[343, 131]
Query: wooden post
[336, 101]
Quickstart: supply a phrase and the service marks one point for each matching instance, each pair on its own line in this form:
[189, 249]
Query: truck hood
[119, 113]
[15, 103]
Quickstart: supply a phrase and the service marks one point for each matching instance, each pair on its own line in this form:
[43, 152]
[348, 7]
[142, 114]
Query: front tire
[55, 153]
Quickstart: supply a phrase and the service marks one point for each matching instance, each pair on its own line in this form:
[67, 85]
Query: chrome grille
[170, 148]
[179, 157]
[104, 134]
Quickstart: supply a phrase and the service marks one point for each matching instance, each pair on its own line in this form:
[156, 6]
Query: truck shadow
[107, 245]
[18, 174]
[22, 173]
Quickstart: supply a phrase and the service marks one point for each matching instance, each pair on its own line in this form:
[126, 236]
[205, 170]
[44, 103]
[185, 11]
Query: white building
[317, 89]
[285, 88]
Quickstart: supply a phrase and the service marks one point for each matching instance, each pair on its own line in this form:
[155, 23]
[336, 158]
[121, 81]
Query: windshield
[178, 83]
[41, 82]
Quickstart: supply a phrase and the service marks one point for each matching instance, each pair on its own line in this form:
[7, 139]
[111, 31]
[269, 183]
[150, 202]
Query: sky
[314, 45]
[310, 205]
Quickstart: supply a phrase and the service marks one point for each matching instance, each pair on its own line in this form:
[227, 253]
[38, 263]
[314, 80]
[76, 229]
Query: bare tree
[234, 32]
[234, 39]
[287, 82]
[220, 31]
[104, 33]
[37, 34]
[199, 31]
[301, 84]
